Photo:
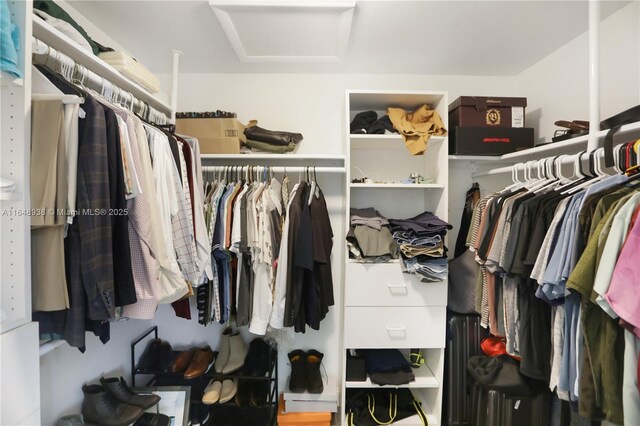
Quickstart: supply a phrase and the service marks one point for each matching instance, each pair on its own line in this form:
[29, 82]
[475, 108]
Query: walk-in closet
[257, 213]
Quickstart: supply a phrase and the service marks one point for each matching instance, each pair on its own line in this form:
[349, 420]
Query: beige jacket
[417, 127]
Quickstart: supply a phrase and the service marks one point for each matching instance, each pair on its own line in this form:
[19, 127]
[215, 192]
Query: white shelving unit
[385, 308]
[55, 39]
[9, 80]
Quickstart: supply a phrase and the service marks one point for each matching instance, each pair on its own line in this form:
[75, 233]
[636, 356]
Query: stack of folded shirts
[387, 367]
[369, 238]
[276, 142]
[421, 243]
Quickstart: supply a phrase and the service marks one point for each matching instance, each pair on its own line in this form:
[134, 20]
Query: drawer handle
[398, 288]
[397, 331]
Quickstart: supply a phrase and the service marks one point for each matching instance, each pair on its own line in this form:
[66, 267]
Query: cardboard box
[489, 140]
[301, 419]
[478, 111]
[216, 135]
[327, 401]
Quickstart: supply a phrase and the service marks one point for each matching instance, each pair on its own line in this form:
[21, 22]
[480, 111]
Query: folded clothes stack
[387, 367]
[369, 238]
[276, 142]
[421, 243]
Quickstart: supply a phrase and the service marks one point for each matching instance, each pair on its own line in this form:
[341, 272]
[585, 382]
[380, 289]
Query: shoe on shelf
[153, 419]
[101, 407]
[123, 393]
[237, 354]
[165, 356]
[198, 414]
[223, 352]
[314, 378]
[183, 360]
[256, 363]
[228, 391]
[148, 361]
[243, 395]
[200, 363]
[212, 392]
[298, 377]
[260, 393]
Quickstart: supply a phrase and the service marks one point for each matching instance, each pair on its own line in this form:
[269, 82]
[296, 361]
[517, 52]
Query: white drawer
[384, 284]
[392, 327]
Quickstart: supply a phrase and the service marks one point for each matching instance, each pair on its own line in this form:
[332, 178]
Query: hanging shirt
[167, 185]
[276, 319]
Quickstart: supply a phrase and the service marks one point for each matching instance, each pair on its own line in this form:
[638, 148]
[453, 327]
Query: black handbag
[382, 407]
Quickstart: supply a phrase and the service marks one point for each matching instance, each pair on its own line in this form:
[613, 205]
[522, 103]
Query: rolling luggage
[463, 341]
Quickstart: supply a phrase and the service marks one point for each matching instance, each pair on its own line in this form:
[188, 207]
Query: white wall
[313, 104]
[557, 87]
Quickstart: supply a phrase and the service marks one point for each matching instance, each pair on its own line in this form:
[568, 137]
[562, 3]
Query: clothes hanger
[592, 168]
[313, 187]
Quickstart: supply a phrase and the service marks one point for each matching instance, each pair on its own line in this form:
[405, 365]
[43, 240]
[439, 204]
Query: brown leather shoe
[183, 360]
[200, 362]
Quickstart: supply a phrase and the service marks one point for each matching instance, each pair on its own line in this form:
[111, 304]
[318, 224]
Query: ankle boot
[123, 393]
[237, 353]
[100, 407]
[256, 363]
[314, 378]
[298, 378]
[223, 352]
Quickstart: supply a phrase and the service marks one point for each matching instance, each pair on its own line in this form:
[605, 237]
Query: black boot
[298, 378]
[314, 378]
[123, 393]
[257, 360]
[100, 407]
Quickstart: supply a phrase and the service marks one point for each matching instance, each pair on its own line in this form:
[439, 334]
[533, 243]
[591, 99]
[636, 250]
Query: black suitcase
[494, 408]
[464, 335]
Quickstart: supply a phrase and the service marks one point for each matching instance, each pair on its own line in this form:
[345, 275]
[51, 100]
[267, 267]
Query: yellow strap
[393, 408]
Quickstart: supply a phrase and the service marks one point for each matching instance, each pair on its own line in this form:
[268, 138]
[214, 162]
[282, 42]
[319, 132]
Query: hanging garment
[49, 199]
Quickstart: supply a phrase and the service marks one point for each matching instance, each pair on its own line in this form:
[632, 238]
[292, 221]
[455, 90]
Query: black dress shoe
[152, 419]
[123, 393]
[260, 393]
[149, 359]
[243, 395]
[102, 408]
[165, 357]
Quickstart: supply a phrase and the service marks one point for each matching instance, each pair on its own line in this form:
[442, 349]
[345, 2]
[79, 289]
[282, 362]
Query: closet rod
[277, 169]
[563, 159]
[70, 69]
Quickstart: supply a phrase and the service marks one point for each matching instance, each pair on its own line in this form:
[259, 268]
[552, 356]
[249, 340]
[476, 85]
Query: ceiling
[398, 37]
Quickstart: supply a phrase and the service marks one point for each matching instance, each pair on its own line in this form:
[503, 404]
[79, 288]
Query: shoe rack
[231, 413]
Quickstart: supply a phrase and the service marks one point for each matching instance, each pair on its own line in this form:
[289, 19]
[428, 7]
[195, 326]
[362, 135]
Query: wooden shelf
[424, 379]
[10, 80]
[55, 39]
[398, 185]
[355, 262]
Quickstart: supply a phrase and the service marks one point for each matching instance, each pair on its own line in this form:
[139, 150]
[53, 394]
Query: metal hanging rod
[277, 169]
[75, 72]
[557, 161]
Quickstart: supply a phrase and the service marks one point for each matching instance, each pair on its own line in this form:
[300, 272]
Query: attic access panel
[286, 31]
